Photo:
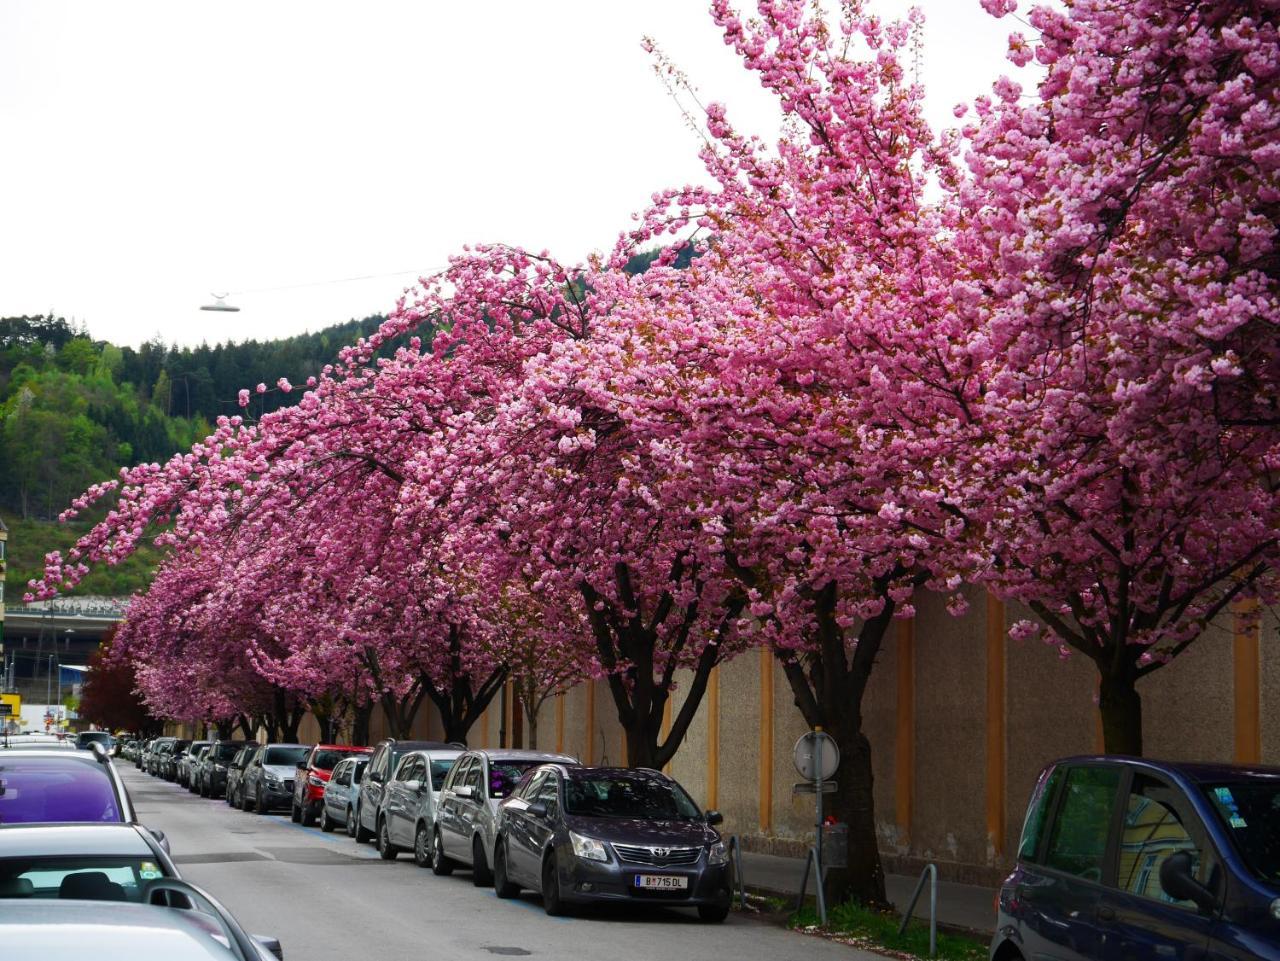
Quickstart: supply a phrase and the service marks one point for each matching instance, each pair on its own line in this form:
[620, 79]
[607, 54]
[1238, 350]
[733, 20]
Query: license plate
[662, 882]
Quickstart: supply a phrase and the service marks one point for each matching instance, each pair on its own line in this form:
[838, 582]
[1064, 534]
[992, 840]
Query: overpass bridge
[39, 638]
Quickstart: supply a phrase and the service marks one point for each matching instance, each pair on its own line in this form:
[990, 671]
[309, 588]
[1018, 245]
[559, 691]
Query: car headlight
[1275, 909]
[273, 780]
[718, 853]
[589, 849]
[314, 781]
[220, 768]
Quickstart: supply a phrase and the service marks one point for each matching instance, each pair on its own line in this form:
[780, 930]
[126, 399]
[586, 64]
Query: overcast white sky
[154, 152]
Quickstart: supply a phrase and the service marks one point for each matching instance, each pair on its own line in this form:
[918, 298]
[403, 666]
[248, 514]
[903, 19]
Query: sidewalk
[959, 905]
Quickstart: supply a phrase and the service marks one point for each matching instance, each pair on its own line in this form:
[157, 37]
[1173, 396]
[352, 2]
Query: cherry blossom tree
[1129, 321]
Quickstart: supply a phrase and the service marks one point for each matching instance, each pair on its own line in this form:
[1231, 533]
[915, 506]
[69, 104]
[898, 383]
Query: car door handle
[1106, 914]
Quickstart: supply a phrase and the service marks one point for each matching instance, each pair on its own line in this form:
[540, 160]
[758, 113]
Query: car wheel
[386, 850]
[295, 815]
[244, 799]
[260, 804]
[307, 815]
[422, 847]
[440, 865]
[552, 902]
[713, 913]
[363, 835]
[326, 823]
[480, 874]
[502, 885]
[351, 823]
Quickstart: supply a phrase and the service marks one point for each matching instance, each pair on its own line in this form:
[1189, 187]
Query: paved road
[329, 899]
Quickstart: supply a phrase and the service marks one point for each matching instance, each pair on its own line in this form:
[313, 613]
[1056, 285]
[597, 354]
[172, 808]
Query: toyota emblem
[660, 853]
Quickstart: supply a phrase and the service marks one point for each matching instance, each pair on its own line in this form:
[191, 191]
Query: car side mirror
[413, 787]
[538, 809]
[464, 790]
[270, 944]
[376, 776]
[1179, 883]
[714, 817]
[160, 839]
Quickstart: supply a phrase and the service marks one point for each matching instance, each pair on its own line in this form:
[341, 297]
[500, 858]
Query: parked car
[144, 750]
[107, 862]
[55, 785]
[386, 755]
[188, 760]
[151, 761]
[268, 780]
[85, 738]
[579, 834]
[467, 809]
[1129, 858]
[235, 773]
[169, 761]
[338, 806]
[175, 921]
[312, 775]
[211, 772]
[409, 803]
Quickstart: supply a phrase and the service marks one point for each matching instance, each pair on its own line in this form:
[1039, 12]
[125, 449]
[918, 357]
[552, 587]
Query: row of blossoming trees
[1036, 356]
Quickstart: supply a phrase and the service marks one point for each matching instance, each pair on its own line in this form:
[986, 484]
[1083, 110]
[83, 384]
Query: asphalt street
[329, 899]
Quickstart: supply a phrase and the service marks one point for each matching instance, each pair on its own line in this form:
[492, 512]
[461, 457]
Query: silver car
[467, 807]
[268, 780]
[338, 806]
[409, 804]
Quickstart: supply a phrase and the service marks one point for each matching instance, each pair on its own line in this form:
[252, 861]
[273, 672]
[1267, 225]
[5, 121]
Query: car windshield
[1250, 812]
[227, 751]
[503, 775]
[620, 796]
[84, 878]
[47, 789]
[291, 756]
[325, 760]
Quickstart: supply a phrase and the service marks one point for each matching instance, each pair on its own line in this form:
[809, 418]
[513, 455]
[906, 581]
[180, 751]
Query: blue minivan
[1124, 858]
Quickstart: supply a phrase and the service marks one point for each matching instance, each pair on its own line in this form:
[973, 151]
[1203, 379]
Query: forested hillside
[74, 410]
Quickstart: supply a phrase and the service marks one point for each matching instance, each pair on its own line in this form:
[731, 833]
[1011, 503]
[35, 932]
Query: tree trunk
[853, 804]
[361, 715]
[290, 721]
[246, 725]
[1121, 709]
[461, 706]
[225, 728]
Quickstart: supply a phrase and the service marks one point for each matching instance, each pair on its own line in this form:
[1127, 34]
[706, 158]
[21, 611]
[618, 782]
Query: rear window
[325, 760]
[46, 789]
[291, 756]
[504, 775]
[85, 878]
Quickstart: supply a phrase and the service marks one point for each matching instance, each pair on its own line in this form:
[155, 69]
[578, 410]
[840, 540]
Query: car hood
[284, 772]
[635, 831]
[320, 773]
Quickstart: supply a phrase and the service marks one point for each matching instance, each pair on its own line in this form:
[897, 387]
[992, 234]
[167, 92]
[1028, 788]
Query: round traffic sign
[816, 756]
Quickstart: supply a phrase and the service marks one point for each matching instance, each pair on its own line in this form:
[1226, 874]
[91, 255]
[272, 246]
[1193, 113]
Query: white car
[467, 809]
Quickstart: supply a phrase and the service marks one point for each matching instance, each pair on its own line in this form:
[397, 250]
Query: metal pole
[48, 682]
[817, 793]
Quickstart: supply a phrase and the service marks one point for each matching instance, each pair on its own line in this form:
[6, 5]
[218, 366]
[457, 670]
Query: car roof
[345, 748]
[62, 930]
[516, 754]
[421, 745]
[435, 754]
[91, 840]
[1195, 771]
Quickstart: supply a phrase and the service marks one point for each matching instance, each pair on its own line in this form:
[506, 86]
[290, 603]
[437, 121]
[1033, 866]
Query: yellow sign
[10, 706]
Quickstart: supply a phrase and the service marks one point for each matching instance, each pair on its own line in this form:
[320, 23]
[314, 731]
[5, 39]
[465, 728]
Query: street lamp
[220, 303]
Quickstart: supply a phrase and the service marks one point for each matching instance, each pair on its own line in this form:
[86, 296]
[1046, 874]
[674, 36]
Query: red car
[313, 774]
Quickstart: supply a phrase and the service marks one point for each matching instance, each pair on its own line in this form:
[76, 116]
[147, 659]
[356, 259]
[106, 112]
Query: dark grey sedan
[580, 834]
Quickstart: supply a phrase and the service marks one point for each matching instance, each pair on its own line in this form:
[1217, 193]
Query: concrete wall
[961, 720]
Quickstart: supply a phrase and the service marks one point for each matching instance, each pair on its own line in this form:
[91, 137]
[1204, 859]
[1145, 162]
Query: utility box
[835, 845]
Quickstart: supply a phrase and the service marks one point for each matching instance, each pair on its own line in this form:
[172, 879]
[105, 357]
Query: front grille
[288, 786]
[656, 855]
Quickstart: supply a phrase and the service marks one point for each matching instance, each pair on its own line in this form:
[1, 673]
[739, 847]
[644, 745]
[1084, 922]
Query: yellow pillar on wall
[1247, 675]
[995, 741]
[560, 723]
[766, 741]
[666, 728]
[589, 756]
